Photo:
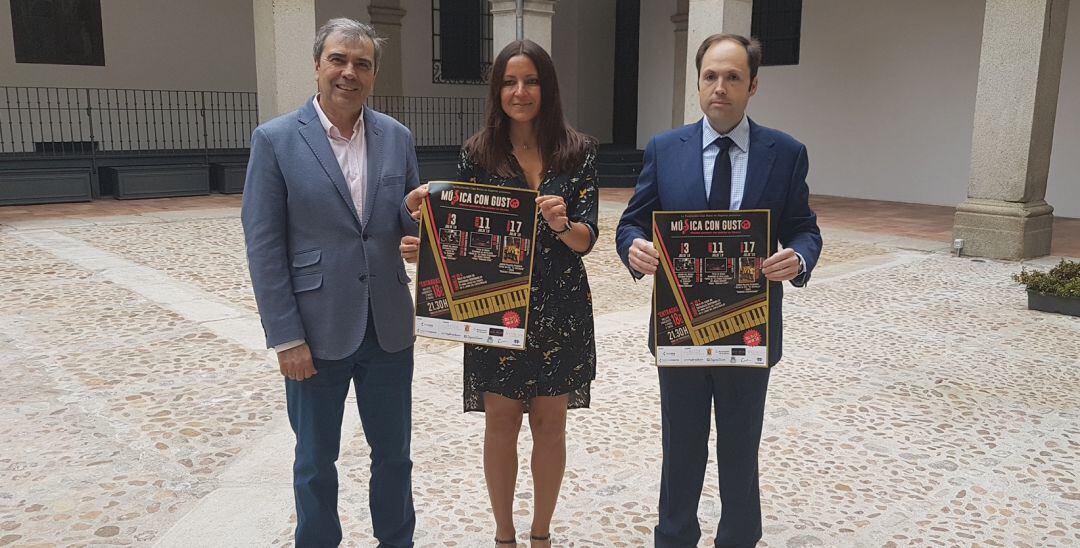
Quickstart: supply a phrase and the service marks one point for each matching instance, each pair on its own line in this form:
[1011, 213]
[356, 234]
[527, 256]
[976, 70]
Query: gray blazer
[315, 268]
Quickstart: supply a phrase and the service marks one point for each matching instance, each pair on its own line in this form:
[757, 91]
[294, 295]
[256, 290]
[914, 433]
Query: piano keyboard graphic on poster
[710, 299]
[475, 265]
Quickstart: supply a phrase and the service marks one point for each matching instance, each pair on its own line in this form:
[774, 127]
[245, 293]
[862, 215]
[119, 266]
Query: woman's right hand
[410, 248]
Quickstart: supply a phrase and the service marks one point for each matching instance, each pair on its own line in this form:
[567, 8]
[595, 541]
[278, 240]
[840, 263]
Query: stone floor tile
[919, 402]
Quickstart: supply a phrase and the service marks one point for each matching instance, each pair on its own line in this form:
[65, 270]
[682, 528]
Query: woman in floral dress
[526, 143]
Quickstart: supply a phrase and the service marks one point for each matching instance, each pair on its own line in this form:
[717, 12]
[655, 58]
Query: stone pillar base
[1004, 230]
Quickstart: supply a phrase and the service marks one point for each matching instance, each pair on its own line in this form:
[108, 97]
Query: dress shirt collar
[331, 130]
[740, 135]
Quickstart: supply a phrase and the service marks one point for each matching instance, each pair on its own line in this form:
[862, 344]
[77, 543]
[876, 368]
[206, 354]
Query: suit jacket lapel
[693, 181]
[315, 135]
[373, 141]
[758, 167]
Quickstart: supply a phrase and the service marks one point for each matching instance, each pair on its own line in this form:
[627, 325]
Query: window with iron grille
[777, 24]
[57, 32]
[461, 41]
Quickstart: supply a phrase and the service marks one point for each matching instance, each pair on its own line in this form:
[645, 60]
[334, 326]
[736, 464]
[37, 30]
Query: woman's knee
[547, 424]
[503, 418]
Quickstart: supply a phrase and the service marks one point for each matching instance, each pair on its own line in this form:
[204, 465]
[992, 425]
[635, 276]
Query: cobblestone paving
[918, 404]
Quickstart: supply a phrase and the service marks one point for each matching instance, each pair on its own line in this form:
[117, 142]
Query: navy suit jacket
[672, 179]
[315, 267]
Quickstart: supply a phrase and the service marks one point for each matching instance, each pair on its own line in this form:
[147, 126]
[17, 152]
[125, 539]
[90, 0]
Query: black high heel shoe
[546, 537]
[506, 541]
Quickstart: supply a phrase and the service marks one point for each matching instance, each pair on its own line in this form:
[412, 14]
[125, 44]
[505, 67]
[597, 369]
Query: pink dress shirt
[351, 156]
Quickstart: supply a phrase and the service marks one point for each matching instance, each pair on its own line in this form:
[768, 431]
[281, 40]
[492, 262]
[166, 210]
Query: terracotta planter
[1053, 303]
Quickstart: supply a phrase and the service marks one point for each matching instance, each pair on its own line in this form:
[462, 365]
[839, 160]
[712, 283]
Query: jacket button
[363, 277]
[366, 236]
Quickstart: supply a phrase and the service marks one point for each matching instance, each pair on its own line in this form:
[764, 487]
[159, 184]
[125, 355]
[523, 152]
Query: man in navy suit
[724, 161]
[323, 214]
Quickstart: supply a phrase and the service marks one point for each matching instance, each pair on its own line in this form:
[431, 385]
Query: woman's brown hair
[562, 148]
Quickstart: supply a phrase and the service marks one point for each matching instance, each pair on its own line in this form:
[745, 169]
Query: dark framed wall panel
[58, 32]
[778, 25]
[461, 41]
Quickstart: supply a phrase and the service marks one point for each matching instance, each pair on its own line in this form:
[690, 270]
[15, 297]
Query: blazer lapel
[315, 136]
[693, 180]
[373, 142]
[758, 167]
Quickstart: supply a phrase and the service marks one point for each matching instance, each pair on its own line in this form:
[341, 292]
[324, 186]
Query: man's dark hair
[751, 45]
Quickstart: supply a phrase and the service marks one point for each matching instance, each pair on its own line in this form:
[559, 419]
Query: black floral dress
[560, 353]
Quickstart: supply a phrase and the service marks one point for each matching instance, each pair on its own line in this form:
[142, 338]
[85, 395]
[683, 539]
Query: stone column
[705, 18]
[1005, 215]
[678, 98]
[386, 17]
[537, 22]
[284, 69]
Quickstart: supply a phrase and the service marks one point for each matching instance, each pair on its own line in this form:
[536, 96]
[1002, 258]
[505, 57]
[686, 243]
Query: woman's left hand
[553, 209]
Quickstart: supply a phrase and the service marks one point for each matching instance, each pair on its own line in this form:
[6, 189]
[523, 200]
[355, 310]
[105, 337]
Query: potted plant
[1055, 291]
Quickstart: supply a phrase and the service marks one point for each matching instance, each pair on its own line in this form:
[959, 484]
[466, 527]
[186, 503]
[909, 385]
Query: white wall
[656, 69]
[885, 101]
[1063, 188]
[153, 44]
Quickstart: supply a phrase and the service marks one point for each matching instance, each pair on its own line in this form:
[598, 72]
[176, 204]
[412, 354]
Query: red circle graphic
[752, 338]
[511, 319]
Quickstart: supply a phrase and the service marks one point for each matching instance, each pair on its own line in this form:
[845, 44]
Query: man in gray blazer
[323, 214]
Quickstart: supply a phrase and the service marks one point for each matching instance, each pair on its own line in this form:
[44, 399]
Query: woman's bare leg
[502, 424]
[547, 420]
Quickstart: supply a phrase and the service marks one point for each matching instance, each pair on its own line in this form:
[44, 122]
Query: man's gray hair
[351, 30]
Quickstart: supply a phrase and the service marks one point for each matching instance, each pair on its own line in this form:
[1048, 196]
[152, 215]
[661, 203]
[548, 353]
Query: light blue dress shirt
[738, 153]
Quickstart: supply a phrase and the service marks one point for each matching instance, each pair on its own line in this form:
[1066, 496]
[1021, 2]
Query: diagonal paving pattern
[919, 403]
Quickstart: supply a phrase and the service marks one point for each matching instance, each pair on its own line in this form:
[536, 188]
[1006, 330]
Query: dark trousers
[687, 395]
[383, 384]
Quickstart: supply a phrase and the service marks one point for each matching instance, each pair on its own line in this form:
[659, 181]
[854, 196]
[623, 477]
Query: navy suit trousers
[383, 384]
[687, 395]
